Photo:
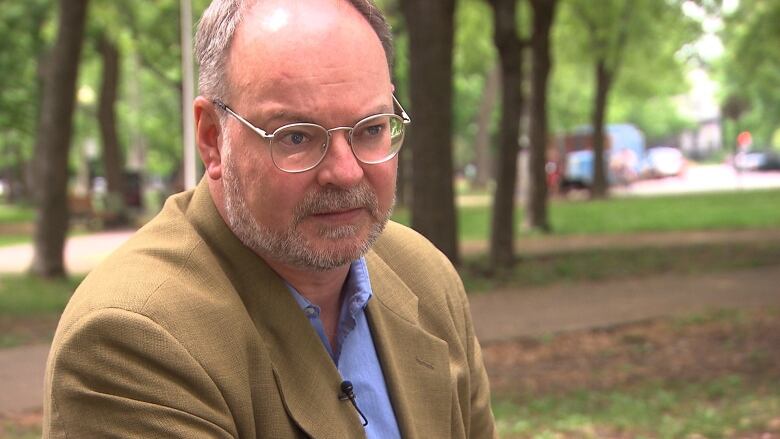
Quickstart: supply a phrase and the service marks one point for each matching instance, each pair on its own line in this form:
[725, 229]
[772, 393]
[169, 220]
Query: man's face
[305, 61]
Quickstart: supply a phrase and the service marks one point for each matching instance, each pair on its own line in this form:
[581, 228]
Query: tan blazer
[184, 332]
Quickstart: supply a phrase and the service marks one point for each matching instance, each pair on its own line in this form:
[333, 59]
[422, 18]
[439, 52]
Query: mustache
[335, 199]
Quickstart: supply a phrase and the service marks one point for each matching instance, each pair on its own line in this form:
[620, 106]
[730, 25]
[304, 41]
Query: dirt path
[502, 315]
[498, 315]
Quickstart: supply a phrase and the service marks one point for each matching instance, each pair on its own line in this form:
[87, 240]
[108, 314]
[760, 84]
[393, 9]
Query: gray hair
[220, 21]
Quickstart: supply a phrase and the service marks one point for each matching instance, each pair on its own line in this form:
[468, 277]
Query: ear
[207, 133]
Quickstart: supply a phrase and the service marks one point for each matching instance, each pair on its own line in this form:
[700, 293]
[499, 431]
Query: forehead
[300, 43]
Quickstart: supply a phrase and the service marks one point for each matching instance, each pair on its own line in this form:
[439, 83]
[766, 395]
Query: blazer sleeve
[482, 423]
[116, 373]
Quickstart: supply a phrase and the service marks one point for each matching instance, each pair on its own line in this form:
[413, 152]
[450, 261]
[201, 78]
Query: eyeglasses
[299, 147]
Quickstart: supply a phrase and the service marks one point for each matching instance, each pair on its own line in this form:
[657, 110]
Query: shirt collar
[357, 291]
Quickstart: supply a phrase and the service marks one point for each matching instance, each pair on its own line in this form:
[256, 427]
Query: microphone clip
[348, 393]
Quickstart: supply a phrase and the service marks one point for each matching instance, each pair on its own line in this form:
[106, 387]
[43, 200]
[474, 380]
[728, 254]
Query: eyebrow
[287, 116]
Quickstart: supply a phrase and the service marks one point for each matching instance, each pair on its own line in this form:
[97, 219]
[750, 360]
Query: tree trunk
[430, 27]
[403, 182]
[113, 162]
[50, 165]
[509, 47]
[482, 140]
[603, 84]
[482, 145]
[536, 215]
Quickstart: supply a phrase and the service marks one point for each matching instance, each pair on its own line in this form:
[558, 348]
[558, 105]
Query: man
[272, 301]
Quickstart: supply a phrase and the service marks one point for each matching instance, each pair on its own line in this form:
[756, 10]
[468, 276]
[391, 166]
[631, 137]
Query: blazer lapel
[307, 379]
[306, 376]
[415, 363]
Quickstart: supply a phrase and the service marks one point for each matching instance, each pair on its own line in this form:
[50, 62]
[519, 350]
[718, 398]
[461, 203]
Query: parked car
[663, 161]
[621, 168]
[757, 160]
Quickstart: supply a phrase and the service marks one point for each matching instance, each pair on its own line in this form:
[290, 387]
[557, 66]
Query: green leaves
[750, 68]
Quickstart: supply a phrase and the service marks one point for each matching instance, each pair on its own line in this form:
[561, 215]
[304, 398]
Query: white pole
[188, 95]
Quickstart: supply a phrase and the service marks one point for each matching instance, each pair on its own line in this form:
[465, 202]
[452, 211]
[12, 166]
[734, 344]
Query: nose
[340, 167]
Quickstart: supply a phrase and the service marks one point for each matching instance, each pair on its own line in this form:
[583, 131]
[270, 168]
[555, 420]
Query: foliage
[474, 56]
[750, 68]
[28, 25]
[649, 73]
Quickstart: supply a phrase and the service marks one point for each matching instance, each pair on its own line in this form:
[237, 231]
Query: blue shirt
[354, 353]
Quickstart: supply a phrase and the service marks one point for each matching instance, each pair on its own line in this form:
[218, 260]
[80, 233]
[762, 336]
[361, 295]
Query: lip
[341, 216]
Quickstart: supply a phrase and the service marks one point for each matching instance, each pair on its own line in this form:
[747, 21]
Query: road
[82, 252]
[703, 178]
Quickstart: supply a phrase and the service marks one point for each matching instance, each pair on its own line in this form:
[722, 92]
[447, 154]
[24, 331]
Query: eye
[296, 138]
[374, 130]
[300, 136]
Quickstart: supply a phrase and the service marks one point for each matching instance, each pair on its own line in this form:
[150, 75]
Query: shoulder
[424, 270]
[411, 255]
[398, 244]
[165, 274]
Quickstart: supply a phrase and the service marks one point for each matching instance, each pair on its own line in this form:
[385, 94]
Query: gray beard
[289, 246]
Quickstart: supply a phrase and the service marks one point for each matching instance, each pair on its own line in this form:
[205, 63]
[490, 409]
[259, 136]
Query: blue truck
[624, 150]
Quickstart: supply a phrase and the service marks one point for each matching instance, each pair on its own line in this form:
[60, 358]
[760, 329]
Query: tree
[509, 48]
[536, 213]
[24, 24]
[608, 28]
[53, 143]
[749, 69]
[430, 27]
[482, 139]
[113, 160]
[621, 36]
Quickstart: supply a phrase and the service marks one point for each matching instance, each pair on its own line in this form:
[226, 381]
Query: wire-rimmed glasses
[299, 147]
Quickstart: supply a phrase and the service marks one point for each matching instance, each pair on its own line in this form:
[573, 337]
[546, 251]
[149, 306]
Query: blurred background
[605, 174]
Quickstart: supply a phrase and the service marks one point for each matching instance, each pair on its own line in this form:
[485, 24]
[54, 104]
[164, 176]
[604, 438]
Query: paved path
[498, 315]
[21, 378]
[83, 252]
[508, 314]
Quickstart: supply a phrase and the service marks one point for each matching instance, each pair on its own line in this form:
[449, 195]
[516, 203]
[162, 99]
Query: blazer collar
[414, 362]
[307, 380]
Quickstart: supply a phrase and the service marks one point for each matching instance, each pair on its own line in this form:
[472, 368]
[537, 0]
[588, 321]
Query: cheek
[382, 179]
[274, 198]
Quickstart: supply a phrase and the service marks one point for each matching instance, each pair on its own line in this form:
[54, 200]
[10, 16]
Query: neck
[321, 288]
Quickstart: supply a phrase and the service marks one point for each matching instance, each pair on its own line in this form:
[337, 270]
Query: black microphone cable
[349, 394]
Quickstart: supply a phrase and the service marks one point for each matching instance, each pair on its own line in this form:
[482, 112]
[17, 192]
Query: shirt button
[310, 311]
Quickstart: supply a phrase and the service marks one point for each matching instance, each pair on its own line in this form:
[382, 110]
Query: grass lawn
[728, 406]
[617, 263]
[711, 375]
[30, 308]
[12, 213]
[15, 224]
[13, 239]
[722, 210]
[22, 295]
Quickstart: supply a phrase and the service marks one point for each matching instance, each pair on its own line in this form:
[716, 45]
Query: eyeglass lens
[301, 146]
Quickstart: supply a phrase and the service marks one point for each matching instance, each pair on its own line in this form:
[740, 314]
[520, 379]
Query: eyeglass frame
[405, 120]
